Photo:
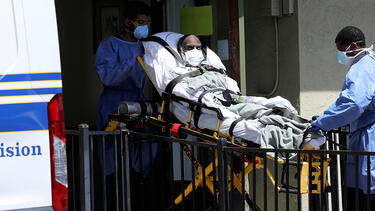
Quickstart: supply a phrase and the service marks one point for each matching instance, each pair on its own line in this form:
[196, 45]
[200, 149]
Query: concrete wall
[309, 75]
[261, 63]
[81, 86]
[321, 77]
[260, 44]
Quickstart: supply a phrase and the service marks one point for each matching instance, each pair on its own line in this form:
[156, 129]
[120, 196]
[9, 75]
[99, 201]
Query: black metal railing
[194, 175]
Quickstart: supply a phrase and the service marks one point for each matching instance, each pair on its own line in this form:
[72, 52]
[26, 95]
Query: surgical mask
[194, 57]
[342, 58]
[141, 32]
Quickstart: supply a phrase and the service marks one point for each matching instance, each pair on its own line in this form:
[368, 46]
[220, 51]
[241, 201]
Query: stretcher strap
[212, 68]
[286, 113]
[177, 80]
[166, 46]
[228, 98]
[234, 123]
[197, 112]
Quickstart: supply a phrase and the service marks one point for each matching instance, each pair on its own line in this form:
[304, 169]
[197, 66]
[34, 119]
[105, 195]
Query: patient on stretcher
[181, 65]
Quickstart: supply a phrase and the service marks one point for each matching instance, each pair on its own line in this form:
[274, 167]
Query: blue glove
[314, 126]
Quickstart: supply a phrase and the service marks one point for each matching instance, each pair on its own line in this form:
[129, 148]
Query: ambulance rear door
[29, 77]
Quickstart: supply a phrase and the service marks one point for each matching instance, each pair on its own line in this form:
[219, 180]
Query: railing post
[223, 175]
[125, 138]
[84, 167]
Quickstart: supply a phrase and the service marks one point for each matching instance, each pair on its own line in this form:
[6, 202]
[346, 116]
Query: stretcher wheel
[176, 132]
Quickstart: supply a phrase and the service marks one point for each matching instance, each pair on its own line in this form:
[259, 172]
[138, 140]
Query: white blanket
[160, 63]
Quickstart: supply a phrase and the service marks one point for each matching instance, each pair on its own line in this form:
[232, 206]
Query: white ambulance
[32, 142]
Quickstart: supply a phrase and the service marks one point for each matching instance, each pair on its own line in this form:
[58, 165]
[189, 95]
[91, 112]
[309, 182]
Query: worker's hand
[133, 58]
[314, 126]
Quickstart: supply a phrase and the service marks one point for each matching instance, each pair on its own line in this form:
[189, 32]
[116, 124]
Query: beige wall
[261, 63]
[309, 75]
[321, 77]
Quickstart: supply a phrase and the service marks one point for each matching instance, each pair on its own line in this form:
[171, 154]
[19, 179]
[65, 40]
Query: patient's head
[191, 49]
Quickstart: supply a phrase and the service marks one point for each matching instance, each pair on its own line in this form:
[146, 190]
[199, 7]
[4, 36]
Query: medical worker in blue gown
[356, 107]
[123, 78]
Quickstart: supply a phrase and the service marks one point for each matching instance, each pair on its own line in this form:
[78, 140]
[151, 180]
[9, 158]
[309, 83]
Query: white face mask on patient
[194, 57]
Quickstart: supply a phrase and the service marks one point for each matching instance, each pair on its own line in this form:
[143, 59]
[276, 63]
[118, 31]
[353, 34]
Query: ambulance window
[8, 36]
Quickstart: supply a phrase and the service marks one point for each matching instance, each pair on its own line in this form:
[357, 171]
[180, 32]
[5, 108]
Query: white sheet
[159, 62]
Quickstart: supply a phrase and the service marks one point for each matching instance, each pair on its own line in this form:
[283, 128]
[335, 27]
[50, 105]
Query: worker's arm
[356, 95]
[115, 67]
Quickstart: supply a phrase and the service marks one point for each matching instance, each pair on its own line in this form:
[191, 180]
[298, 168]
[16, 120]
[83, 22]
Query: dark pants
[149, 192]
[362, 203]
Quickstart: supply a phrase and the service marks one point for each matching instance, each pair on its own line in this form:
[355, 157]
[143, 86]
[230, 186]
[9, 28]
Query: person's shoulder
[363, 68]
[108, 42]
[369, 58]
[108, 39]
[116, 39]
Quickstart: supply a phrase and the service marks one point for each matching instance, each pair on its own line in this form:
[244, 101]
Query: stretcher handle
[290, 189]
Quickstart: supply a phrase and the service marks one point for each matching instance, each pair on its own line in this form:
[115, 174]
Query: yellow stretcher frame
[237, 178]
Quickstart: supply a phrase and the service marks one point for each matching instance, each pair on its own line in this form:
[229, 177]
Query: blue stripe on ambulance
[16, 92]
[16, 119]
[30, 77]
[26, 116]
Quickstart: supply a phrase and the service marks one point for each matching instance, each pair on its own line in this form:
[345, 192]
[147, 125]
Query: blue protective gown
[123, 79]
[356, 107]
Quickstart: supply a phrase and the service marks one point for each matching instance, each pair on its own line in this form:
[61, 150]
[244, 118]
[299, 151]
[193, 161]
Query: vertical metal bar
[344, 182]
[342, 139]
[84, 157]
[242, 180]
[254, 180]
[334, 173]
[310, 180]
[265, 181]
[232, 182]
[287, 181]
[182, 177]
[368, 183]
[91, 143]
[223, 176]
[140, 153]
[161, 165]
[125, 134]
[193, 177]
[356, 183]
[171, 174]
[204, 185]
[215, 179]
[276, 181]
[116, 171]
[322, 191]
[122, 173]
[299, 181]
[152, 175]
[103, 175]
[225, 167]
